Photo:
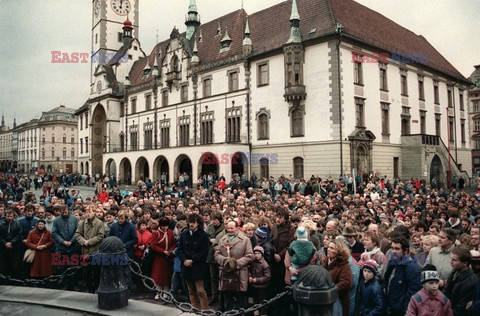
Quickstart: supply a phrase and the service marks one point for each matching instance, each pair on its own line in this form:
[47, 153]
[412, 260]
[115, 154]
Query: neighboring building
[474, 116]
[6, 154]
[289, 90]
[48, 143]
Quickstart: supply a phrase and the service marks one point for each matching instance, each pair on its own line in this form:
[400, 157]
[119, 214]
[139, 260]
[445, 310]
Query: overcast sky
[31, 29]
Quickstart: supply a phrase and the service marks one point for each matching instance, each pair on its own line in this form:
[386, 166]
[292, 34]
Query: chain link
[53, 279]
[168, 297]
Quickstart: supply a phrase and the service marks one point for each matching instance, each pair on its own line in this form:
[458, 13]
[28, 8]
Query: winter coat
[213, 232]
[93, 231]
[241, 251]
[64, 230]
[355, 268]
[301, 252]
[402, 280]
[357, 248]
[260, 270]
[372, 298]
[162, 264]
[288, 263]
[10, 233]
[142, 239]
[27, 223]
[42, 263]
[127, 233]
[441, 260]
[460, 291]
[342, 277]
[194, 246]
[422, 304]
[282, 236]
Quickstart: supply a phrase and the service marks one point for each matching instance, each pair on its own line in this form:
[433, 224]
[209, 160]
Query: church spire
[155, 72]
[247, 42]
[295, 36]
[195, 60]
[14, 122]
[192, 19]
[3, 121]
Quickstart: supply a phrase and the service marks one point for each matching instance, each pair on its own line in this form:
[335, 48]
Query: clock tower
[107, 23]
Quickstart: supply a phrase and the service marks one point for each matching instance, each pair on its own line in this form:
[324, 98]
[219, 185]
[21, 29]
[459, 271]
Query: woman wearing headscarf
[40, 240]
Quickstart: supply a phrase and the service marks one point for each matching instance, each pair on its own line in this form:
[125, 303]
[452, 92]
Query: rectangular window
[476, 126]
[86, 144]
[134, 137]
[423, 118]
[184, 134]
[64, 139]
[476, 106]
[148, 135]
[206, 128]
[81, 122]
[53, 140]
[357, 73]
[421, 90]
[148, 102]
[460, 96]
[43, 140]
[436, 96]
[133, 105]
[233, 124]
[86, 120]
[449, 97]
[385, 118]
[164, 97]
[438, 118]
[72, 140]
[262, 78]
[120, 37]
[233, 81]
[81, 146]
[462, 130]
[207, 87]
[405, 121]
[165, 133]
[403, 82]
[96, 38]
[383, 78]
[359, 112]
[184, 93]
[451, 133]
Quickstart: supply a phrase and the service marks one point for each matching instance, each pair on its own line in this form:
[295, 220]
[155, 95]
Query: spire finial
[294, 15]
[247, 28]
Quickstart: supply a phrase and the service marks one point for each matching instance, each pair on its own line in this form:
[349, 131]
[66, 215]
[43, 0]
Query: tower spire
[192, 19]
[3, 121]
[195, 60]
[247, 42]
[295, 36]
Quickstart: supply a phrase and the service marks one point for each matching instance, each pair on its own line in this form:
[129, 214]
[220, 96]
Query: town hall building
[305, 87]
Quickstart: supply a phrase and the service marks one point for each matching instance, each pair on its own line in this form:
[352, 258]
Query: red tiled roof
[270, 29]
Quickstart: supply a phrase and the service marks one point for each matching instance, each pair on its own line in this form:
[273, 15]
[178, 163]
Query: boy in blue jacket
[372, 299]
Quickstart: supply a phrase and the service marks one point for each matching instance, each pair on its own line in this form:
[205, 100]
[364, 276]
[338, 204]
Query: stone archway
[361, 144]
[99, 127]
[437, 171]
[160, 167]
[49, 169]
[183, 164]
[239, 162]
[111, 168]
[125, 171]
[142, 169]
[208, 163]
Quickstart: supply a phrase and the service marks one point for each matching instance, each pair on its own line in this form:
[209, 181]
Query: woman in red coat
[162, 244]
[338, 268]
[40, 239]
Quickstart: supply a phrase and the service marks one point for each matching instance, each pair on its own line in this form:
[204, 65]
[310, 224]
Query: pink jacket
[422, 304]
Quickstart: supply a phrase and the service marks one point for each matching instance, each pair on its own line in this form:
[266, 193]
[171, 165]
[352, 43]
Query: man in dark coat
[402, 278]
[126, 231]
[462, 282]
[10, 242]
[192, 250]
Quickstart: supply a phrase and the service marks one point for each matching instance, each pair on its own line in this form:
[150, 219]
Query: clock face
[96, 8]
[121, 7]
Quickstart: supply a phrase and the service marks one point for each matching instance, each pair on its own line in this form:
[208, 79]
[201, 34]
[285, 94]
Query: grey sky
[31, 29]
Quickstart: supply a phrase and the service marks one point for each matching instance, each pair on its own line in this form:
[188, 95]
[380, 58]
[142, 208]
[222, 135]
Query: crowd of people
[391, 247]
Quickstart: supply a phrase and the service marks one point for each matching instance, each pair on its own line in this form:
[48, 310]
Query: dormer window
[174, 64]
[225, 42]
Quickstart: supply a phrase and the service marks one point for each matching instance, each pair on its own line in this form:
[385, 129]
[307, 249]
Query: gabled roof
[270, 30]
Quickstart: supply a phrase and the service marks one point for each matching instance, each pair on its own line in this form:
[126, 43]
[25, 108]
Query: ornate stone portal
[361, 141]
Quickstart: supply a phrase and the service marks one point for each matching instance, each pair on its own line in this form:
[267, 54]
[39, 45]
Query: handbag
[29, 255]
[231, 280]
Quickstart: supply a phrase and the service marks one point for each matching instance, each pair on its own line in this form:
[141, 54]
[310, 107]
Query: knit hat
[429, 273]
[258, 249]
[262, 232]
[371, 265]
[301, 233]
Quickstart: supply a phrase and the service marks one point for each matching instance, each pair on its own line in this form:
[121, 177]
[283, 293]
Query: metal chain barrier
[168, 297]
[53, 279]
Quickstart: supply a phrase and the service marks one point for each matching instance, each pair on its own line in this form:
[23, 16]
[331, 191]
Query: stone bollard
[315, 292]
[113, 289]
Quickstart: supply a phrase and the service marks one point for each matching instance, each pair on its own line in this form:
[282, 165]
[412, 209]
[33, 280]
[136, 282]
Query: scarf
[165, 237]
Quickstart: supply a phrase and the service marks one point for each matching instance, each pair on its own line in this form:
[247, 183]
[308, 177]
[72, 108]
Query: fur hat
[258, 249]
[302, 233]
[371, 265]
[262, 232]
[230, 265]
[350, 231]
[429, 273]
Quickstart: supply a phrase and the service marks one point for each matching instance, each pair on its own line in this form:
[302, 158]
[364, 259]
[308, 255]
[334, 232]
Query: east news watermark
[59, 57]
[95, 259]
[209, 158]
[396, 57]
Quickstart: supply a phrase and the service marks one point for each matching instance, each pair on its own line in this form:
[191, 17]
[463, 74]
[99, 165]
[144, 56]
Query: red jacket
[103, 196]
[143, 239]
[422, 304]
